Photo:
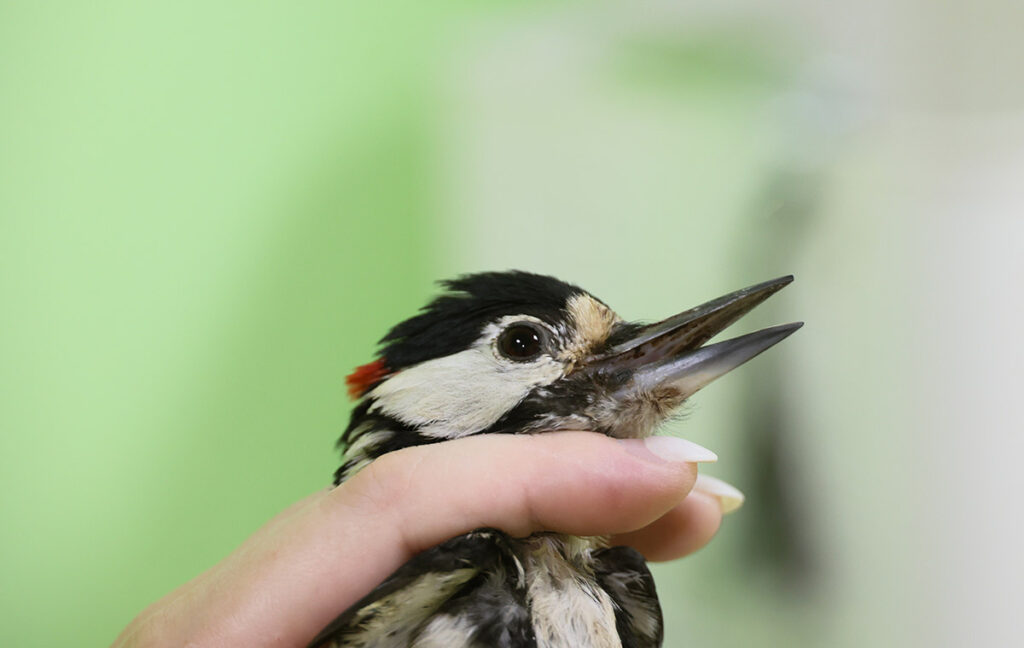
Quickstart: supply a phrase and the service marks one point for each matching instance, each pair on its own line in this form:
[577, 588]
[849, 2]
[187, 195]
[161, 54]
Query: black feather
[488, 552]
[453, 321]
[364, 421]
[623, 573]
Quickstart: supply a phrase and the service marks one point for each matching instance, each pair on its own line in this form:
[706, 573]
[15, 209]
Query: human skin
[316, 558]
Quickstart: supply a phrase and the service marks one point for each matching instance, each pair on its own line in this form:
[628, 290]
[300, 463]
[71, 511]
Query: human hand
[318, 557]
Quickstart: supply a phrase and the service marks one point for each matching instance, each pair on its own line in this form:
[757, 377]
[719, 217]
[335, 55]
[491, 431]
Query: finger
[336, 547]
[690, 525]
[686, 528]
[573, 482]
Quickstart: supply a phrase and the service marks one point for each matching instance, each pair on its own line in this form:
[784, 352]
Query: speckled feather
[486, 589]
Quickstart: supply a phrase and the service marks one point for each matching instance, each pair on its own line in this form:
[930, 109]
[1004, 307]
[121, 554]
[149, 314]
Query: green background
[211, 214]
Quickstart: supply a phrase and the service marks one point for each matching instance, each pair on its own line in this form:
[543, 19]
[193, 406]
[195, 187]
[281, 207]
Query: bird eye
[521, 342]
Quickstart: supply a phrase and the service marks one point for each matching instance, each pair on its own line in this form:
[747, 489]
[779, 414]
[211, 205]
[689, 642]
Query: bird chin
[640, 415]
[634, 417]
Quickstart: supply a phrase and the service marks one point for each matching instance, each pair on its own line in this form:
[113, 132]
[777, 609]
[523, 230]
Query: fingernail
[671, 449]
[729, 497]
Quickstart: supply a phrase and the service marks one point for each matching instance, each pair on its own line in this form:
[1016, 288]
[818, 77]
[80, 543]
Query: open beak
[668, 355]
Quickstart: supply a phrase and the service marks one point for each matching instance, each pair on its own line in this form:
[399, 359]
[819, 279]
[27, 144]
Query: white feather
[445, 631]
[465, 392]
[568, 607]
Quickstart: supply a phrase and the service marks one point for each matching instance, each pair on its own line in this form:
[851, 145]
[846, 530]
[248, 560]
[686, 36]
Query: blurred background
[210, 212]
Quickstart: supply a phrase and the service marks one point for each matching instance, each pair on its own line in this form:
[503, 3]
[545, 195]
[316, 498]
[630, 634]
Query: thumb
[580, 483]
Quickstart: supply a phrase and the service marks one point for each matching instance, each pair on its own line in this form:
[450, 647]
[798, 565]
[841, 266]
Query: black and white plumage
[519, 353]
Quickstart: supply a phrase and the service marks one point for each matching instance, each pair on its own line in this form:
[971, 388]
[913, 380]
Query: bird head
[515, 352]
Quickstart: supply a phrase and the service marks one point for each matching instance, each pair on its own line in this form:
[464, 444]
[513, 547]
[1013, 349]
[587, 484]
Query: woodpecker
[521, 353]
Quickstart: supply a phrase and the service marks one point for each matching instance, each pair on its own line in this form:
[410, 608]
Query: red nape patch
[359, 381]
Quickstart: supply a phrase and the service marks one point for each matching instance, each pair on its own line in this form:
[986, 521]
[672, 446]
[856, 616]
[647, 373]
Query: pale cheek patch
[462, 393]
[592, 324]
